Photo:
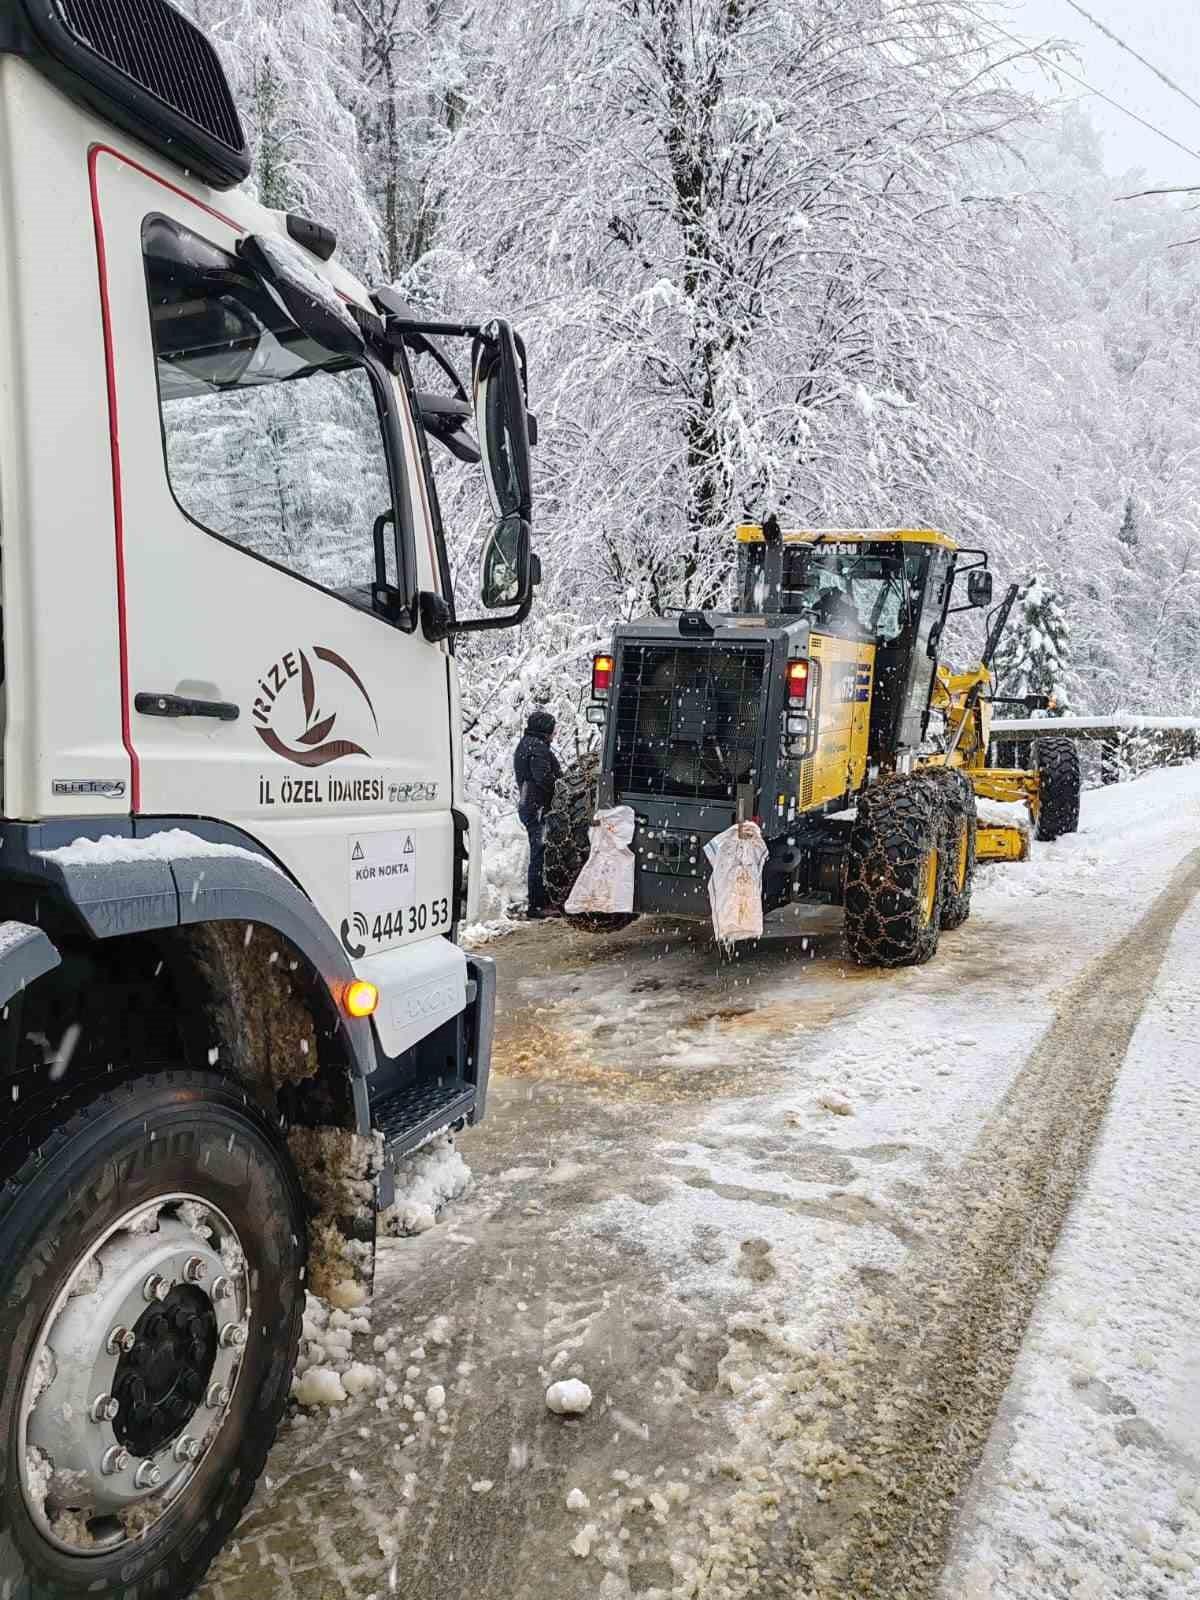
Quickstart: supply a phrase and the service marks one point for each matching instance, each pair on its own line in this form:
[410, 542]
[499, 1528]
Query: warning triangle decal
[357, 853]
[409, 847]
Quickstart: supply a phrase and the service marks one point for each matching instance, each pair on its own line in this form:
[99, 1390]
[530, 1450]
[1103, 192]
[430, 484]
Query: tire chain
[567, 823]
[958, 802]
[890, 837]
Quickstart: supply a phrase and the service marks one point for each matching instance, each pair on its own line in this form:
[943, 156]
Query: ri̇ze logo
[312, 746]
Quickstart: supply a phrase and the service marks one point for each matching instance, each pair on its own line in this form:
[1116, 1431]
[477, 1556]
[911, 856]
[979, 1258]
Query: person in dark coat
[537, 771]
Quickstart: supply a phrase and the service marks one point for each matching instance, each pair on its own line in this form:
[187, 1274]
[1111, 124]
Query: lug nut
[114, 1459]
[121, 1340]
[218, 1396]
[222, 1289]
[147, 1476]
[187, 1449]
[156, 1287]
[233, 1335]
[104, 1408]
[196, 1270]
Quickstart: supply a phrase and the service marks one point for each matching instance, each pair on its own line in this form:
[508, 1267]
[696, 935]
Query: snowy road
[790, 1221]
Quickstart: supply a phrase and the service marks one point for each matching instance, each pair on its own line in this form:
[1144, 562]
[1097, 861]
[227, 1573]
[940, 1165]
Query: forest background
[830, 257]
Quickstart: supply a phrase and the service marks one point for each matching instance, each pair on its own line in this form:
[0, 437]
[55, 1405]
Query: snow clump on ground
[327, 1372]
[569, 1397]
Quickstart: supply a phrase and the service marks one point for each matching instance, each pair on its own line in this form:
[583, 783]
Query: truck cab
[235, 846]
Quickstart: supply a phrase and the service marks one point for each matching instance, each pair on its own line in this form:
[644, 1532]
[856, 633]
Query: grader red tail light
[602, 676]
[797, 682]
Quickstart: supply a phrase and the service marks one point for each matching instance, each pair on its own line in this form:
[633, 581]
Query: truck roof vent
[143, 65]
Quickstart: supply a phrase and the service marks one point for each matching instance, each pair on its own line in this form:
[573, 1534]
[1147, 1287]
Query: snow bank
[1087, 1486]
[505, 863]
[425, 1185]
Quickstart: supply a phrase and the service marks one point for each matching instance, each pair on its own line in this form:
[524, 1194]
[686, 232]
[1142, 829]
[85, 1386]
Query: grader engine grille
[687, 719]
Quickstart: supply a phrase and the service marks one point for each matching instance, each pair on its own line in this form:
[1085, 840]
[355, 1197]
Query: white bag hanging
[735, 883]
[606, 882]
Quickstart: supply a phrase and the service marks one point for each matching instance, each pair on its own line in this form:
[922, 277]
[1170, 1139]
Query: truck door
[261, 686]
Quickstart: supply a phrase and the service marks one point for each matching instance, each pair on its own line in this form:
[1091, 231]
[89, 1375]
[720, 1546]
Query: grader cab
[809, 713]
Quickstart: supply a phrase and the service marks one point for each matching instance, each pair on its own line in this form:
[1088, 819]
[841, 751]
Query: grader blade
[1001, 841]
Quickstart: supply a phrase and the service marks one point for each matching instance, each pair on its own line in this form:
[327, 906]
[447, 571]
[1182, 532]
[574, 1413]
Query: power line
[1128, 48]
[1056, 66]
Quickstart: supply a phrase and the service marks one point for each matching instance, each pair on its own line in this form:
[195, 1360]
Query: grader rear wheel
[567, 824]
[895, 874]
[958, 843]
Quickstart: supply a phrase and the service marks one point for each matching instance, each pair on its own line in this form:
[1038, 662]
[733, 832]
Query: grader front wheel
[958, 844]
[895, 874]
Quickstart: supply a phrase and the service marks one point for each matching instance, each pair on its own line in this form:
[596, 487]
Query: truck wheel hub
[131, 1378]
[162, 1381]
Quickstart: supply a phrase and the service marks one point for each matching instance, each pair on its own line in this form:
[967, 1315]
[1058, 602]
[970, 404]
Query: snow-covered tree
[811, 256]
[1035, 653]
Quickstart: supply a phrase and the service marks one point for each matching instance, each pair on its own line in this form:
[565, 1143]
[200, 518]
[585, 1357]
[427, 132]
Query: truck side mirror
[507, 574]
[979, 587]
[502, 426]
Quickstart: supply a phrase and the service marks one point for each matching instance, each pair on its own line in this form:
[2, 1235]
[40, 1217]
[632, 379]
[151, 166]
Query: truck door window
[271, 443]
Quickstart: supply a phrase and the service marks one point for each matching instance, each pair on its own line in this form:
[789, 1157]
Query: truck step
[408, 1117]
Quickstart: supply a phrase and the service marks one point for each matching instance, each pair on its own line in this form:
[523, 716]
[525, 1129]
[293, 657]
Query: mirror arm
[489, 624]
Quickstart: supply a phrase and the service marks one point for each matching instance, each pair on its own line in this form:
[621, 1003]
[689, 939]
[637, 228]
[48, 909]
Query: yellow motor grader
[812, 711]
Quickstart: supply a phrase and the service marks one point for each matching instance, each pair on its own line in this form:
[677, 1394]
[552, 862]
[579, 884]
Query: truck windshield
[272, 443]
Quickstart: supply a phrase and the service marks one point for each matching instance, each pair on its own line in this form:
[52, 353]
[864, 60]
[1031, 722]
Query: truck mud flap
[25, 954]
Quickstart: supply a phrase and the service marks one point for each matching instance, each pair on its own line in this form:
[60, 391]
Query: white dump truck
[235, 847]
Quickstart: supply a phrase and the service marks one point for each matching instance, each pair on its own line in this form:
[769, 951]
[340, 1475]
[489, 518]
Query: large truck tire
[895, 867]
[567, 841]
[1059, 785]
[960, 821]
[152, 1252]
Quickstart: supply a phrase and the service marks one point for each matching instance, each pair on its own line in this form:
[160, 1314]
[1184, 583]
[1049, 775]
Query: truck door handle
[174, 705]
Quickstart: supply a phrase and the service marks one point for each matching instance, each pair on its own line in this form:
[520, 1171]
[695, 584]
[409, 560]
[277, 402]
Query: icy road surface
[791, 1222]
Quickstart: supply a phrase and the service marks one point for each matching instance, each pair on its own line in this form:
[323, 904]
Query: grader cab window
[846, 590]
[846, 593]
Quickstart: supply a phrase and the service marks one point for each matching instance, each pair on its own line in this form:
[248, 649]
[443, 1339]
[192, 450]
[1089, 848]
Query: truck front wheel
[152, 1247]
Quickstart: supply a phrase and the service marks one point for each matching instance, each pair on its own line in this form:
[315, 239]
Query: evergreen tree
[1035, 654]
[1127, 533]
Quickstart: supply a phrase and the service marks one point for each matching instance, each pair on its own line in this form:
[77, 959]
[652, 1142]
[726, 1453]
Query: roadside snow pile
[425, 1184]
[569, 1397]
[505, 861]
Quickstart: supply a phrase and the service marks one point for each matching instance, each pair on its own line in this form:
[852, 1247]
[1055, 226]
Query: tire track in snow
[872, 1444]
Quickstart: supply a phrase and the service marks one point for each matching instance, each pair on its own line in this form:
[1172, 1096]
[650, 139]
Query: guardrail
[1128, 744]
